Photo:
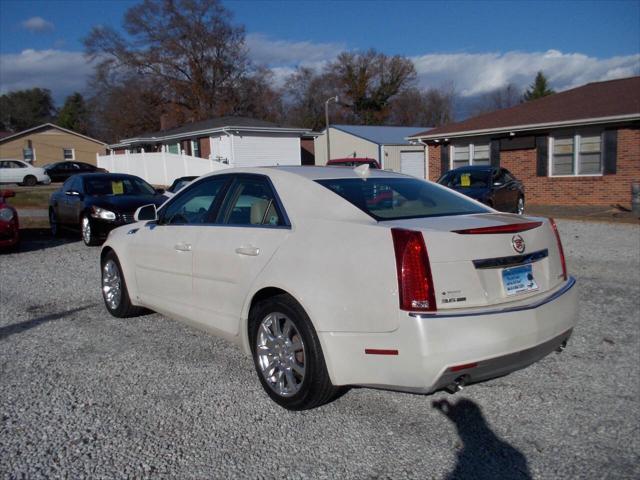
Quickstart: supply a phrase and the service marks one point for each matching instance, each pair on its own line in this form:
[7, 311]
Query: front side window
[193, 205]
[252, 202]
[68, 153]
[399, 198]
[463, 154]
[578, 154]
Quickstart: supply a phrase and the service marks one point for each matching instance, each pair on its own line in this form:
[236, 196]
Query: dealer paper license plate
[518, 280]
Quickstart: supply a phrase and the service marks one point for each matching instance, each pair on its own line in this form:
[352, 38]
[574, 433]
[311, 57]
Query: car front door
[500, 193]
[70, 202]
[228, 257]
[163, 250]
[512, 187]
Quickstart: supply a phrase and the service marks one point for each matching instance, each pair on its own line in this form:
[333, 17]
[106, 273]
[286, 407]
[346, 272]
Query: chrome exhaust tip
[561, 347]
[457, 385]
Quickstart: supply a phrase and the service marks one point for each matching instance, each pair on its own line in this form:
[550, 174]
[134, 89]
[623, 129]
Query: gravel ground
[85, 395]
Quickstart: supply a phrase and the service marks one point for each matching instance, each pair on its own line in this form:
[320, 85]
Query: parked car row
[23, 173]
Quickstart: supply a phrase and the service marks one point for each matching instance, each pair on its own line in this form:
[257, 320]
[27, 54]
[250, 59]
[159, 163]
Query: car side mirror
[160, 191]
[146, 212]
[7, 194]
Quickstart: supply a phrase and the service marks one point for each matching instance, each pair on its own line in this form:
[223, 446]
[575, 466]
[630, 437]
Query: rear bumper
[498, 341]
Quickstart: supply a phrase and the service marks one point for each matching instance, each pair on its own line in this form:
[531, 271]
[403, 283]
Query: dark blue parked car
[493, 186]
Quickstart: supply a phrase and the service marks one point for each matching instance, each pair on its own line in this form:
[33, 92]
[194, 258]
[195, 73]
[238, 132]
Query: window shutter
[610, 152]
[495, 153]
[542, 151]
[444, 159]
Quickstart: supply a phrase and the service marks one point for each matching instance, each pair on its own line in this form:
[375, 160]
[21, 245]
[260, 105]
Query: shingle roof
[13, 136]
[611, 98]
[382, 135]
[219, 122]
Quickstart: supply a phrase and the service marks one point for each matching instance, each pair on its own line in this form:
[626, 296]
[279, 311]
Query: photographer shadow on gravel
[484, 455]
[10, 329]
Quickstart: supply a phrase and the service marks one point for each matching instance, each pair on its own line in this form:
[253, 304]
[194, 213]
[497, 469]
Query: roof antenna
[362, 171]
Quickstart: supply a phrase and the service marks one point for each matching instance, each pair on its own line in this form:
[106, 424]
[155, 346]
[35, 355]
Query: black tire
[53, 223]
[315, 388]
[30, 181]
[86, 232]
[122, 308]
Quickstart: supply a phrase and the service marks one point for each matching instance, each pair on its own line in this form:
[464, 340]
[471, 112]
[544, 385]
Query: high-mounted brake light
[511, 228]
[560, 249]
[415, 282]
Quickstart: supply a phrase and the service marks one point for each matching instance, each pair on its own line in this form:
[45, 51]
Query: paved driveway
[83, 394]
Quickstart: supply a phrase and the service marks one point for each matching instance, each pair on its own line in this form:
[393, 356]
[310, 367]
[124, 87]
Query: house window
[173, 148]
[579, 154]
[28, 155]
[470, 154]
[195, 148]
[68, 153]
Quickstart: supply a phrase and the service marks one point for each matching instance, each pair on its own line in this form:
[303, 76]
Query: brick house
[577, 147]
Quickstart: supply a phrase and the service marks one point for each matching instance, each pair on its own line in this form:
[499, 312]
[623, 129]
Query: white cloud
[37, 24]
[278, 53]
[62, 72]
[475, 74]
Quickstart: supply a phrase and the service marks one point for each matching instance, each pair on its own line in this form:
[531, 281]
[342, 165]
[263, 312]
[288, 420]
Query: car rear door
[251, 225]
[163, 250]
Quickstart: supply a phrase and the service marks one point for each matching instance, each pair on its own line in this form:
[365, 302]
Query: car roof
[106, 175]
[320, 173]
[474, 168]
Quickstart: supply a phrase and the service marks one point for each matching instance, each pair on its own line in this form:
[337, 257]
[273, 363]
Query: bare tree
[368, 81]
[188, 48]
[305, 92]
[426, 108]
[505, 97]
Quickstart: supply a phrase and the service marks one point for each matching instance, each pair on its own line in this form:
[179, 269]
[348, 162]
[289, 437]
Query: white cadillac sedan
[331, 277]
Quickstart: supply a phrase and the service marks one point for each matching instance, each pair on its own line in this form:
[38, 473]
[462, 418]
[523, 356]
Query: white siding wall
[343, 145]
[264, 149]
[221, 147]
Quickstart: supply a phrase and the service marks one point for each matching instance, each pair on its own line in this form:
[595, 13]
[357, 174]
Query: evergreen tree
[74, 115]
[538, 89]
[24, 109]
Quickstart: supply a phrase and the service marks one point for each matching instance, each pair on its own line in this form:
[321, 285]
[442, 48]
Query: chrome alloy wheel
[111, 284]
[86, 230]
[280, 354]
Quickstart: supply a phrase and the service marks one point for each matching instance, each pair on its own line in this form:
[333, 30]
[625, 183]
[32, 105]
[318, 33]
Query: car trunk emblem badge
[517, 242]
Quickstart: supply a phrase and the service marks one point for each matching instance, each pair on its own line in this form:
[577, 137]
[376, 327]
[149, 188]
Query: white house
[387, 145]
[200, 147]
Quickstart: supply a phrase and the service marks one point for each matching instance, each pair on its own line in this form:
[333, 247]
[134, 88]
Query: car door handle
[182, 247]
[250, 250]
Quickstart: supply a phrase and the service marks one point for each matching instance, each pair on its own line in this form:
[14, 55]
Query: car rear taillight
[560, 250]
[415, 283]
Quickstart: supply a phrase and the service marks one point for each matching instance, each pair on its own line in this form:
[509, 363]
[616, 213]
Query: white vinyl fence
[158, 168]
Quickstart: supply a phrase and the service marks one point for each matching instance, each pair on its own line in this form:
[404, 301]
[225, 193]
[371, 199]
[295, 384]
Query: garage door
[412, 163]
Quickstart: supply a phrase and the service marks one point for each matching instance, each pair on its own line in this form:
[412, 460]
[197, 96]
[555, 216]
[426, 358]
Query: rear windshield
[351, 163]
[117, 186]
[468, 179]
[398, 198]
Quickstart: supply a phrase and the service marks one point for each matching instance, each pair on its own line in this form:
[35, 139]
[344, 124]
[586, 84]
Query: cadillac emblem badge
[517, 242]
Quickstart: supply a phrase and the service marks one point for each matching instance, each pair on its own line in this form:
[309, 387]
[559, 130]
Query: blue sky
[472, 46]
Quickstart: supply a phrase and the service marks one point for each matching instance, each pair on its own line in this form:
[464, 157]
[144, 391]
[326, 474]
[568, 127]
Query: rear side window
[399, 198]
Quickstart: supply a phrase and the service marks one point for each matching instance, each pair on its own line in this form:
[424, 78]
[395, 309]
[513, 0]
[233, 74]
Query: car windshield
[466, 179]
[117, 186]
[399, 198]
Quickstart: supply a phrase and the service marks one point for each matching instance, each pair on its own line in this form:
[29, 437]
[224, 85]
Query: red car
[353, 162]
[9, 228]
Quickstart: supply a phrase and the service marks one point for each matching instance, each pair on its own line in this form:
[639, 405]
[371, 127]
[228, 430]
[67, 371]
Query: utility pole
[326, 117]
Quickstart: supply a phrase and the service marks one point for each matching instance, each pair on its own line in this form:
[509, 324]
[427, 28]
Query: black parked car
[96, 203]
[178, 183]
[493, 186]
[59, 172]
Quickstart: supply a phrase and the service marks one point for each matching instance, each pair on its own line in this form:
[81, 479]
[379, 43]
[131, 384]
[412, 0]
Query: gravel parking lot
[83, 394]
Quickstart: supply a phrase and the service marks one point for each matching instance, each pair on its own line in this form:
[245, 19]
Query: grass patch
[32, 197]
